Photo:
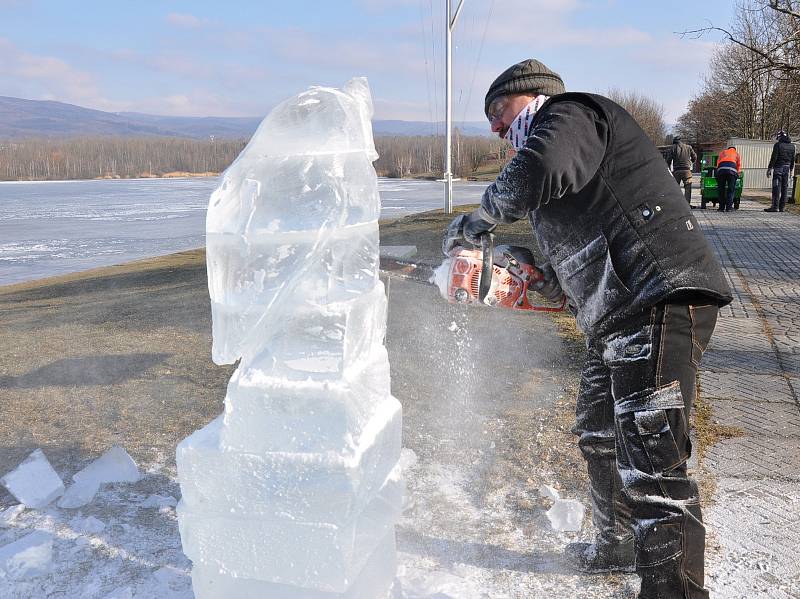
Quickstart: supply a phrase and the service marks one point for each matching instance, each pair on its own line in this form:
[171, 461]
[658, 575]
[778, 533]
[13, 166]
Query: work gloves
[548, 286]
[465, 227]
[769, 172]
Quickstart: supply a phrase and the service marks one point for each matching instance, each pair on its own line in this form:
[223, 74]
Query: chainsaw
[502, 276]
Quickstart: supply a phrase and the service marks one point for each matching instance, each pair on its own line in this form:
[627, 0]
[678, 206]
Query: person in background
[728, 166]
[645, 285]
[681, 160]
[781, 164]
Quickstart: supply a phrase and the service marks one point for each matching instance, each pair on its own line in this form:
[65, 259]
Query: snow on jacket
[782, 155]
[606, 213]
[682, 157]
[729, 160]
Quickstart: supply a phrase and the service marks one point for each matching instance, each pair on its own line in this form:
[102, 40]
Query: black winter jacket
[606, 213]
[782, 155]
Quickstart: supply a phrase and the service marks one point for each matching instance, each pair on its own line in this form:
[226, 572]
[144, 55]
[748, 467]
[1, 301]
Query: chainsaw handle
[537, 281]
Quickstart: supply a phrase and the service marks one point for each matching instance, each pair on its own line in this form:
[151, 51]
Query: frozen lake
[55, 227]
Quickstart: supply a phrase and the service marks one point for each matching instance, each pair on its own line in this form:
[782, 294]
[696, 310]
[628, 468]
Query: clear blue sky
[235, 58]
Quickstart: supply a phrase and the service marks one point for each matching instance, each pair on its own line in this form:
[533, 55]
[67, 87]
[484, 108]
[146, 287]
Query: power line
[477, 60]
[427, 66]
[435, 76]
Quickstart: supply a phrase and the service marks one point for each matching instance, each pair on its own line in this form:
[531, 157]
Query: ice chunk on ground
[566, 515]
[79, 494]
[159, 501]
[34, 482]
[114, 466]
[8, 515]
[30, 556]
[398, 252]
[437, 584]
[88, 525]
[549, 492]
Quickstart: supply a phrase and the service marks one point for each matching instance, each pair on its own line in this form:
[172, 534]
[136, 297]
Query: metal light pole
[448, 175]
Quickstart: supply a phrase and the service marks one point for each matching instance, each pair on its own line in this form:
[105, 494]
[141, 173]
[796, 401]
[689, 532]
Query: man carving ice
[645, 288]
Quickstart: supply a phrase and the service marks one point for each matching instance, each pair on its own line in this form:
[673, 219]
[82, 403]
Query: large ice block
[375, 581]
[266, 413]
[295, 217]
[295, 193]
[317, 487]
[314, 555]
[321, 120]
[296, 487]
[269, 287]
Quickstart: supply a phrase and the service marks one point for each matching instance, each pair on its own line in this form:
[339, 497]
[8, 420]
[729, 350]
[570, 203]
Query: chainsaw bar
[419, 272]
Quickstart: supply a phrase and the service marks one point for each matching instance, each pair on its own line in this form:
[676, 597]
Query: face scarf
[517, 133]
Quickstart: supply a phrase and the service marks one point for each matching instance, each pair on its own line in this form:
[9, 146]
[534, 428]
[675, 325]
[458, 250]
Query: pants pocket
[704, 319]
[654, 431]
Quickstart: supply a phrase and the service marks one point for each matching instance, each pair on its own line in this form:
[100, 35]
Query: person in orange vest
[728, 166]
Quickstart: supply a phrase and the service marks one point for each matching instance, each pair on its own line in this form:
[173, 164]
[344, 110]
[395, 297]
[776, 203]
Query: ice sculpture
[294, 491]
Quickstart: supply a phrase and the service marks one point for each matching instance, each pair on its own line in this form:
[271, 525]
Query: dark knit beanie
[526, 77]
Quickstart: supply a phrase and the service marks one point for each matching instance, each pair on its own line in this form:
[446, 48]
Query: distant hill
[21, 119]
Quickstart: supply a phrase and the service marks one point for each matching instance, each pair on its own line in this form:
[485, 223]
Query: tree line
[752, 87]
[404, 156]
[124, 157]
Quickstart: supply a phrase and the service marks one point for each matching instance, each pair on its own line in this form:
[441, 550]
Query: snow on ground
[121, 544]
[125, 544]
[454, 546]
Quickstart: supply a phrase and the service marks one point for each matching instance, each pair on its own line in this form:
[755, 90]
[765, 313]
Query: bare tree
[648, 113]
[780, 53]
[746, 93]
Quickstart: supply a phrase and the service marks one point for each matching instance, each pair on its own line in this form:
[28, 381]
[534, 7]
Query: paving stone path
[750, 376]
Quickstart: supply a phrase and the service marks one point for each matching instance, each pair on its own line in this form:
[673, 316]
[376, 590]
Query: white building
[755, 155]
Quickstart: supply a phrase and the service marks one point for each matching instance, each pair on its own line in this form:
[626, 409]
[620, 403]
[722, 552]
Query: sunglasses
[496, 109]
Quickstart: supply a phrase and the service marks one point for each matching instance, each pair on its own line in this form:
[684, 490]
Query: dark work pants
[780, 181]
[726, 187]
[685, 177]
[637, 389]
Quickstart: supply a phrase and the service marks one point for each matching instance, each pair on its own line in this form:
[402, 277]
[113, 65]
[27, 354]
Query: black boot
[613, 548]
[602, 556]
[770, 209]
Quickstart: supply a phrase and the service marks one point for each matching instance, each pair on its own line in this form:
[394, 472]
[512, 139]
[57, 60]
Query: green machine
[708, 183]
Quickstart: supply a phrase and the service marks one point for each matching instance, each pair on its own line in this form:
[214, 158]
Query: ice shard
[295, 489]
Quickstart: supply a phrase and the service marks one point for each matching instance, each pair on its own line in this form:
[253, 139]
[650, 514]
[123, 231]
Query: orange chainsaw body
[510, 284]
